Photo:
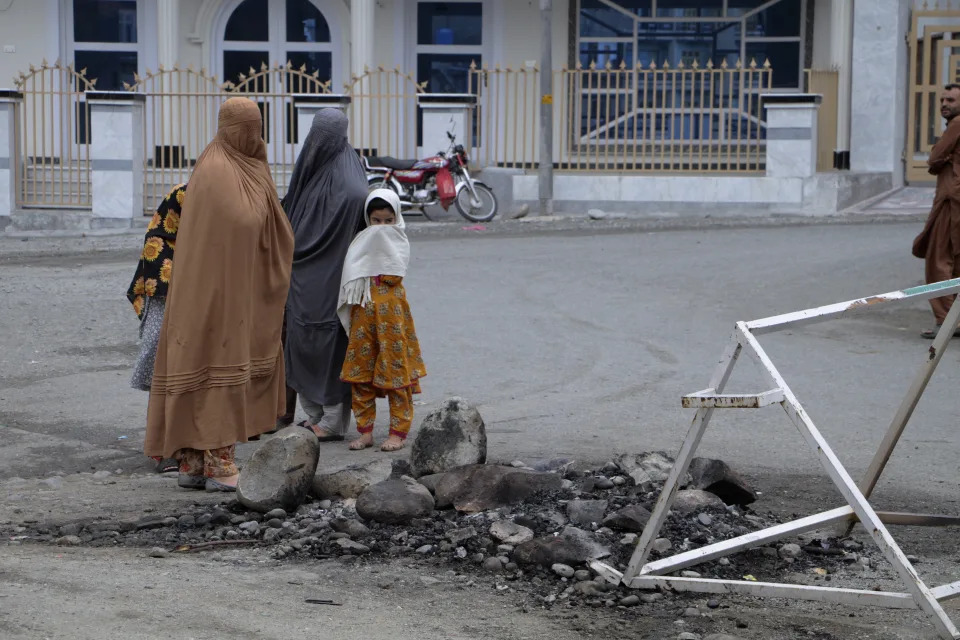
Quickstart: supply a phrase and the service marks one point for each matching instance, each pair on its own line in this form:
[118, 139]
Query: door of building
[934, 49]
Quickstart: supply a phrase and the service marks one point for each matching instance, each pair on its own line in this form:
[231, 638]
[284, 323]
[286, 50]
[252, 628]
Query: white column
[841, 58]
[10, 102]
[362, 35]
[791, 134]
[168, 32]
[879, 87]
[116, 154]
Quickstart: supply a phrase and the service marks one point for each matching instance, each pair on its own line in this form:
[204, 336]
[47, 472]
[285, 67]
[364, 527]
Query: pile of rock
[543, 522]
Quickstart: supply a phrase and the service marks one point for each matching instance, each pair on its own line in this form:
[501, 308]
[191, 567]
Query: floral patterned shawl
[156, 261]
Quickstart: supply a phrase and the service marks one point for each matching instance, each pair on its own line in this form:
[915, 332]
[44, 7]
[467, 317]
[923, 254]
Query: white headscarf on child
[378, 250]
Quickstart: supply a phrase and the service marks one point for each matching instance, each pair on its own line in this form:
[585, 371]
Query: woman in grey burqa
[325, 206]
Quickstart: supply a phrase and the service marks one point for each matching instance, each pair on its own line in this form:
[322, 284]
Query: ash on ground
[540, 547]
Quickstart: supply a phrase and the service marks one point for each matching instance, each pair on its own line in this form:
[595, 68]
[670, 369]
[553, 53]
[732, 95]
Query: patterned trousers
[213, 463]
[365, 408]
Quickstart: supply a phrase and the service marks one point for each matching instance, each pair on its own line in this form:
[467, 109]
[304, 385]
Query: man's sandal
[930, 334]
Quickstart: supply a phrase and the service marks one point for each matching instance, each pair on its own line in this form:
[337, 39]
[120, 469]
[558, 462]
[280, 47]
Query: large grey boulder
[632, 518]
[481, 487]
[648, 469]
[688, 501]
[279, 473]
[395, 501]
[352, 481]
[450, 436]
[718, 478]
[572, 547]
[430, 481]
[510, 532]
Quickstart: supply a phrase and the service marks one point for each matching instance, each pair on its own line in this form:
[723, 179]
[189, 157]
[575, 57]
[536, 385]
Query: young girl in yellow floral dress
[383, 357]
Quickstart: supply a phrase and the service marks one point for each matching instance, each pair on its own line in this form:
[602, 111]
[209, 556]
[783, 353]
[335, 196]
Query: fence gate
[181, 119]
[934, 44]
[672, 119]
[383, 112]
[273, 88]
[55, 139]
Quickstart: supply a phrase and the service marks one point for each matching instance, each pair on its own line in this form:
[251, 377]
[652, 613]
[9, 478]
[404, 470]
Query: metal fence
[643, 118]
[623, 119]
[55, 137]
[383, 112]
[181, 119]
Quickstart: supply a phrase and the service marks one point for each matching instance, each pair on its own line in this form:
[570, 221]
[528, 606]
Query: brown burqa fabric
[939, 242]
[219, 374]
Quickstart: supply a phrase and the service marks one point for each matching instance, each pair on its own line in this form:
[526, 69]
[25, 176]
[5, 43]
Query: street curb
[17, 248]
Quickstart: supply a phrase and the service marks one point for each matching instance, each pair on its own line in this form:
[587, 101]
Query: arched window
[257, 32]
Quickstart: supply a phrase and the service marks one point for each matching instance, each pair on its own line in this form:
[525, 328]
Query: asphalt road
[577, 344]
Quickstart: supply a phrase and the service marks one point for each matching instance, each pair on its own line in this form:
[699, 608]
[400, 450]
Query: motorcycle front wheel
[482, 211]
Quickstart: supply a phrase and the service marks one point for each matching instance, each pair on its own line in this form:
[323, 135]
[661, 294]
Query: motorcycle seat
[391, 163]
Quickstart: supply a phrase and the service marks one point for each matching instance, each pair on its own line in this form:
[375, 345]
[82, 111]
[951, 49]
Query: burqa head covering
[325, 207]
[239, 127]
[326, 138]
[219, 375]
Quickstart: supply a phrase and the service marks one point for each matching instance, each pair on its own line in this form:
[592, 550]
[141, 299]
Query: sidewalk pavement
[907, 204]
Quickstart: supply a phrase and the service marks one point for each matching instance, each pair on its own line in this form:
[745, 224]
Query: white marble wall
[692, 189]
[116, 159]
[791, 140]
[8, 158]
[879, 86]
[438, 119]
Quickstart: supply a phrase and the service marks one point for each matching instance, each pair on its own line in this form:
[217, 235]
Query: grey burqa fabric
[325, 206]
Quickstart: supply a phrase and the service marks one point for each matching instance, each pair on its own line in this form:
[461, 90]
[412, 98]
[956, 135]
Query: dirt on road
[51, 591]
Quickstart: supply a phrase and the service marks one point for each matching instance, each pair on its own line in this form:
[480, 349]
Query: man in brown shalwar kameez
[939, 242]
[219, 373]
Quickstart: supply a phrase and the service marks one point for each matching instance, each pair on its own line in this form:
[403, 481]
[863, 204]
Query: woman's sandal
[328, 437]
[168, 465]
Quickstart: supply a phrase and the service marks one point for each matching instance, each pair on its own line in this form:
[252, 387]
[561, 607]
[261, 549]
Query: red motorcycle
[441, 179]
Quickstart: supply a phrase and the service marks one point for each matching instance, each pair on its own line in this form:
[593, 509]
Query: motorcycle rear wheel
[376, 182]
[488, 204]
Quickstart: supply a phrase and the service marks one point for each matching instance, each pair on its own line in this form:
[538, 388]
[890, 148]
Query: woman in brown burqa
[219, 373]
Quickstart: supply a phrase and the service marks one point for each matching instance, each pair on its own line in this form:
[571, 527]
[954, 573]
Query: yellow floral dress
[383, 350]
[155, 268]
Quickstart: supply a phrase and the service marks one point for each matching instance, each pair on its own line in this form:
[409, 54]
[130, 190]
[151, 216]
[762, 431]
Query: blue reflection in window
[451, 23]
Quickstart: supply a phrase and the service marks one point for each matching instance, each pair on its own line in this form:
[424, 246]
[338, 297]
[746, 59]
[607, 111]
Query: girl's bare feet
[365, 441]
[393, 443]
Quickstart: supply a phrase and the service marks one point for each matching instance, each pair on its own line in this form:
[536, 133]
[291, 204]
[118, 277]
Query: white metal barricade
[643, 574]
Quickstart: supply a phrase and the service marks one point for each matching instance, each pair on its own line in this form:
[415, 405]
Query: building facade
[649, 96]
